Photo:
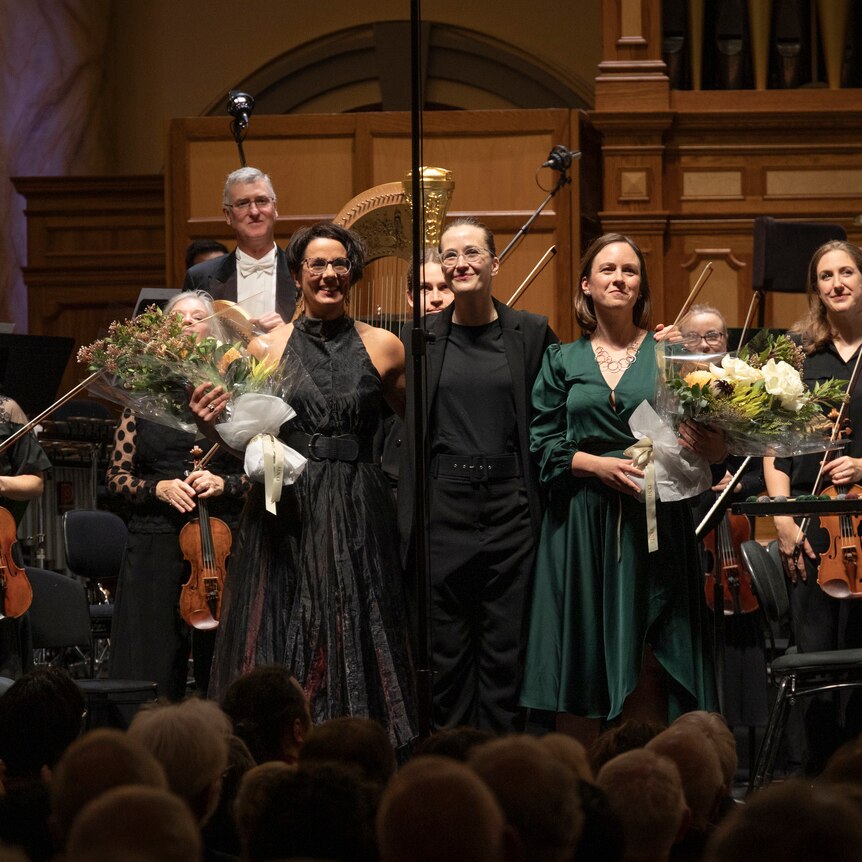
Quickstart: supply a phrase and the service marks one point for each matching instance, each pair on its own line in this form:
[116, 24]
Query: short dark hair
[352, 242]
[469, 221]
[263, 704]
[585, 312]
[40, 716]
[203, 246]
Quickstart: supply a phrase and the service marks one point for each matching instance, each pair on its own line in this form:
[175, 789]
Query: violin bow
[25, 429]
[543, 262]
[836, 430]
[701, 281]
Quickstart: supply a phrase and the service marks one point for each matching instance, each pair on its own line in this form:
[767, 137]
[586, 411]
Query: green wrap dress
[599, 595]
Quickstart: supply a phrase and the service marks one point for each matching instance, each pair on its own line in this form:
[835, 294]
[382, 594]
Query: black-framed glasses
[713, 338]
[244, 204]
[472, 255]
[318, 265]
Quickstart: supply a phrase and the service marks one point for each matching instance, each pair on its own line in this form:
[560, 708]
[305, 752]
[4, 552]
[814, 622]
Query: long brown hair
[585, 312]
[814, 326]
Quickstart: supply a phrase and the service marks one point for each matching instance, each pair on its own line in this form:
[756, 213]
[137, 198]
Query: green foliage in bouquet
[757, 395]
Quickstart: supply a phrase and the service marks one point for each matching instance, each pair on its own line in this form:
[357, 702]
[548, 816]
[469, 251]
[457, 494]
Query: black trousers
[481, 560]
[821, 622]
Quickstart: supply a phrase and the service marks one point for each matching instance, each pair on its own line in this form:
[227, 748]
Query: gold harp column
[759, 16]
[833, 27]
[695, 32]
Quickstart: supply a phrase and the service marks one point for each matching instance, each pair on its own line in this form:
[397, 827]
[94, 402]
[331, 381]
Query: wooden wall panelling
[494, 156]
[93, 244]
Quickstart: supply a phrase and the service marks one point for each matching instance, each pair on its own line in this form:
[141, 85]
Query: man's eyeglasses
[318, 265]
[713, 338]
[244, 204]
[471, 255]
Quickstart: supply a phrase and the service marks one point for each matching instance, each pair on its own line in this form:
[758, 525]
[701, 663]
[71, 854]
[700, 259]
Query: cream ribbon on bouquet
[671, 472]
[254, 422]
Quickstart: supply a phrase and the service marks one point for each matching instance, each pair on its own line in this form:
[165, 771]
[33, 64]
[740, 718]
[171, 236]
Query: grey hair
[245, 175]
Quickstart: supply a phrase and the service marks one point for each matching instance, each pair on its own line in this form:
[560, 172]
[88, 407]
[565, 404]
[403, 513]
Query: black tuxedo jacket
[218, 278]
[526, 336]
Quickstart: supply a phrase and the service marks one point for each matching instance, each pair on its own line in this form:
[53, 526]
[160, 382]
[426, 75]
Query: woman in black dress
[318, 586]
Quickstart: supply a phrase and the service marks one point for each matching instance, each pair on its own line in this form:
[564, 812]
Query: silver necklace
[615, 364]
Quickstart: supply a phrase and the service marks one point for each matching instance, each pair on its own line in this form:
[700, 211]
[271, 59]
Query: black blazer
[218, 278]
[526, 336]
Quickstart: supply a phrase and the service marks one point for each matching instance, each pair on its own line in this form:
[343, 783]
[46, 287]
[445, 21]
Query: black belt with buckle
[477, 468]
[317, 447]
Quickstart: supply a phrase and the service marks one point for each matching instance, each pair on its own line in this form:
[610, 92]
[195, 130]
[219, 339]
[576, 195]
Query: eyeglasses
[318, 265]
[712, 338]
[261, 203]
[471, 255]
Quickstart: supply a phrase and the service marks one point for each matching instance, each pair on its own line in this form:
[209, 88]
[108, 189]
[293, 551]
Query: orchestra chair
[95, 542]
[795, 674]
[782, 252]
[60, 620]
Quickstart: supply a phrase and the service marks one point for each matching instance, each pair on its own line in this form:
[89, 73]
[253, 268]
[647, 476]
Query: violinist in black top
[831, 336]
[150, 468]
[22, 468]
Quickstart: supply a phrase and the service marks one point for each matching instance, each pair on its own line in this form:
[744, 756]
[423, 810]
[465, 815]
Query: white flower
[783, 380]
[736, 370]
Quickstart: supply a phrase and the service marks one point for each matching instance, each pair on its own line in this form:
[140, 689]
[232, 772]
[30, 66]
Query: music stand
[31, 368]
[153, 296]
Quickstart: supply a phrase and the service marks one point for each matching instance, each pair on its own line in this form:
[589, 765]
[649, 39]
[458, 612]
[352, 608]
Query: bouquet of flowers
[756, 396]
[151, 363]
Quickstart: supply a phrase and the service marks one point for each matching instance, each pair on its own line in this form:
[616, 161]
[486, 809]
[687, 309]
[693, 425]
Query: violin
[15, 589]
[725, 563]
[205, 542]
[840, 571]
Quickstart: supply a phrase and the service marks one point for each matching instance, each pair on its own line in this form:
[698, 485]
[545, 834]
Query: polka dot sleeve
[121, 479]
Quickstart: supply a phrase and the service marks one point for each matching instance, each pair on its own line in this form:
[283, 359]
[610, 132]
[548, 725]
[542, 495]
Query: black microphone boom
[560, 158]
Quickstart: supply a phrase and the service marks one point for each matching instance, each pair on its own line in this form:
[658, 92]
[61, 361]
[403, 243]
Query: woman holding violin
[150, 468]
[704, 330]
[22, 467]
[831, 336]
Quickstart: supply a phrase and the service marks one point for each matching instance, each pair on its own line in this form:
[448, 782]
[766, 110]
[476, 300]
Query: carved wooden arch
[366, 68]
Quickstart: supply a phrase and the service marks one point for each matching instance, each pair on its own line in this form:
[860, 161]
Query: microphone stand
[564, 180]
[419, 340]
[239, 131]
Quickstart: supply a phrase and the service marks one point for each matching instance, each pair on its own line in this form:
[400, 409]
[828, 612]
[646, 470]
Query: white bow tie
[249, 267]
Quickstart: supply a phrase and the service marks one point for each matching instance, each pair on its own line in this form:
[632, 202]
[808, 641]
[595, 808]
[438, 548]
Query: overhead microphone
[560, 158]
[240, 106]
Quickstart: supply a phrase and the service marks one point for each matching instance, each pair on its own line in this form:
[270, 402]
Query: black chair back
[95, 543]
[767, 578]
[60, 613]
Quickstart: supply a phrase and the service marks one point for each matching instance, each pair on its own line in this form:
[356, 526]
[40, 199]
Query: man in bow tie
[255, 275]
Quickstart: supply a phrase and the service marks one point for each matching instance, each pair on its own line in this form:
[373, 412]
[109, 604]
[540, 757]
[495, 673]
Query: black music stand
[31, 368]
[782, 251]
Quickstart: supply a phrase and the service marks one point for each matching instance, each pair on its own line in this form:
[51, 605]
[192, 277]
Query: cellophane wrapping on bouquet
[756, 396]
[150, 364]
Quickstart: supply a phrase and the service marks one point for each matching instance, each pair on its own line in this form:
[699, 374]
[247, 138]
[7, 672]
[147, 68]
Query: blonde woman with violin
[830, 335]
[150, 468]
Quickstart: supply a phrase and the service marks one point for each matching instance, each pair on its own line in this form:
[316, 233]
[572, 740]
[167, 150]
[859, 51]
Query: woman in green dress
[614, 631]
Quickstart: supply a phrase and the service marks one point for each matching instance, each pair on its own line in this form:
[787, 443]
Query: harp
[383, 217]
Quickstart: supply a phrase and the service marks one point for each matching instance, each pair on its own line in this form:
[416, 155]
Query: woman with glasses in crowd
[318, 586]
[615, 630]
[704, 331]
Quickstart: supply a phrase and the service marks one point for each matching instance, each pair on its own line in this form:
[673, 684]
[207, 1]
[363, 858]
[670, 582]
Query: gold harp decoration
[383, 217]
